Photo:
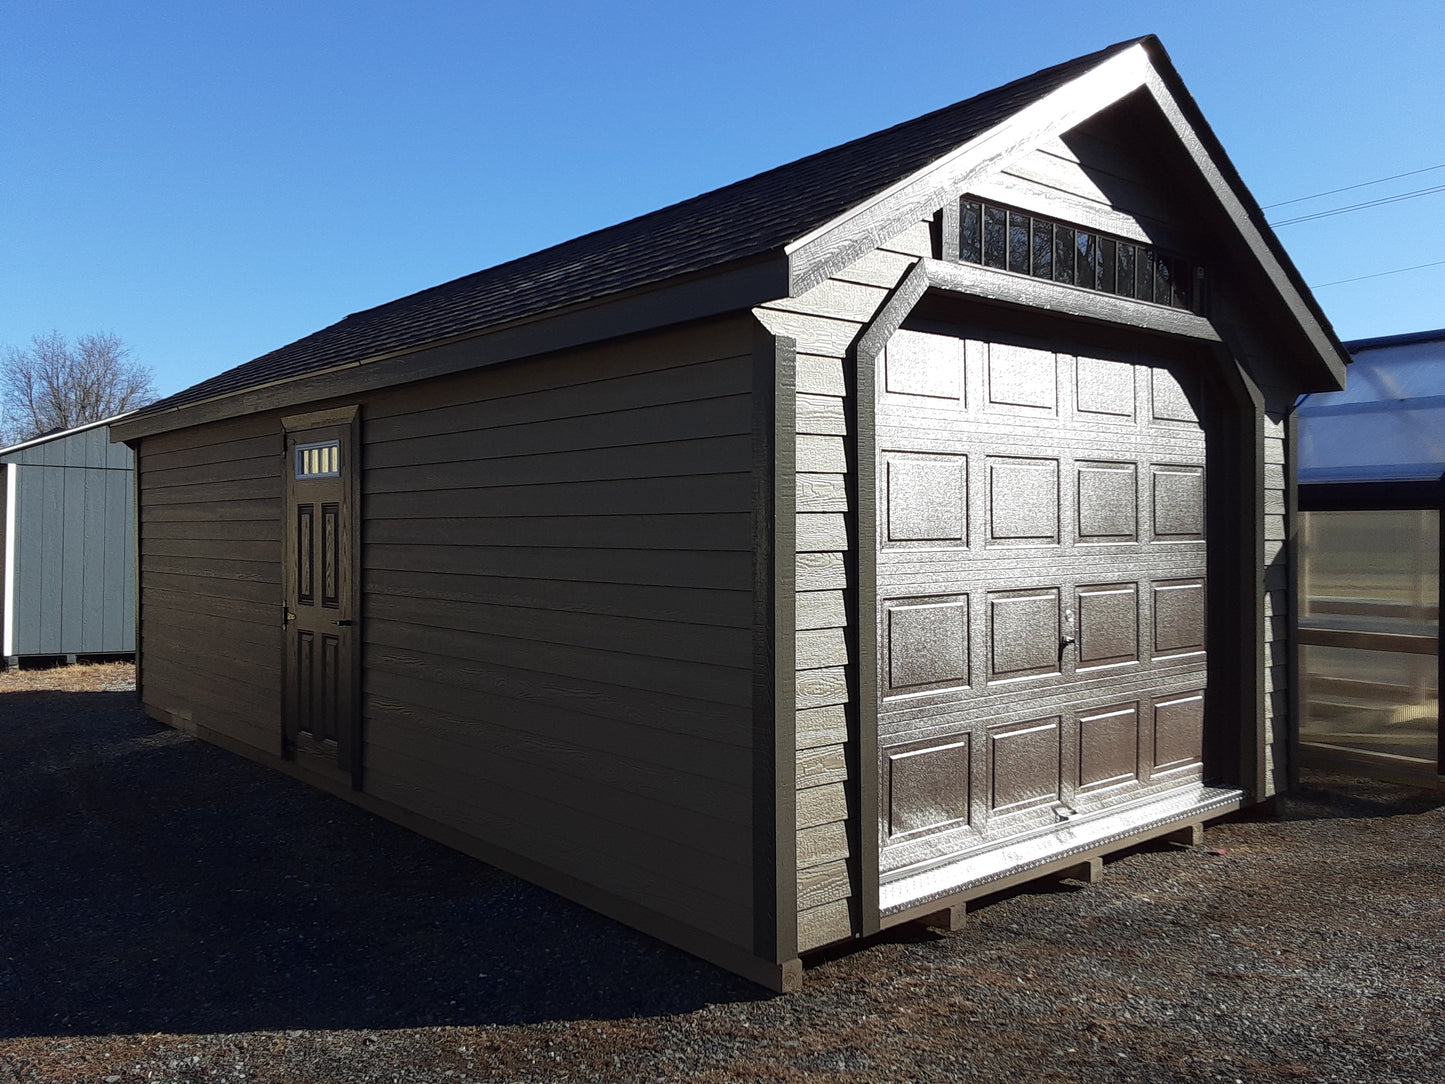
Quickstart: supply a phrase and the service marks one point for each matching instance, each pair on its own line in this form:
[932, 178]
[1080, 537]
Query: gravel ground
[169, 911]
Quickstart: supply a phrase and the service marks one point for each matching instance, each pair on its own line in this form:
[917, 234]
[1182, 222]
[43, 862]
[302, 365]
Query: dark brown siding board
[821, 647]
[469, 757]
[241, 530]
[407, 417]
[619, 496]
[822, 688]
[916, 240]
[821, 375]
[822, 805]
[822, 532]
[707, 455]
[260, 510]
[683, 531]
[822, 493]
[252, 551]
[821, 415]
[661, 568]
[818, 885]
[822, 455]
[823, 925]
[216, 588]
[214, 435]
[713, 644]
[253, 447]
[649, 357]
[827, 764]
[821, 572]
[839, 299]
[212, 569]
[190, 627]
[224, 705]
[721, 684]
[186, 475]
[598, 855]
[719, 889]
[228, 666]
[879, 268]
[644, 602]
[822, 726]
[566, 730]
[814, 334]
[620, 429]
[445, 683]
[188, 603]
[243, 489]
[821, 610]
[824, 843]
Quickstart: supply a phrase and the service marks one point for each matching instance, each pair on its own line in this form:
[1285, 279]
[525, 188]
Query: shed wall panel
[558, 569]
[210, 629]
[557, 618]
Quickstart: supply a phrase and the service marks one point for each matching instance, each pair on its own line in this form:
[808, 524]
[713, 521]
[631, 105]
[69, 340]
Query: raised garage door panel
[1041, 592]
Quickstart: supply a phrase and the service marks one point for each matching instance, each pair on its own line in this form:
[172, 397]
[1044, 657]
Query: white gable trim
[837, 243]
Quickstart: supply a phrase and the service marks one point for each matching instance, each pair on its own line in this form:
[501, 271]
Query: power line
[1351, 187]
[1361, 206]
[1379, 274]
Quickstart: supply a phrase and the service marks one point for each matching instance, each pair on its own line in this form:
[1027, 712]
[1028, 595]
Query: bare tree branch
[53, 385]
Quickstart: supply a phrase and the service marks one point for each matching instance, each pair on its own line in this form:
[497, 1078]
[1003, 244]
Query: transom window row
[1044, 248]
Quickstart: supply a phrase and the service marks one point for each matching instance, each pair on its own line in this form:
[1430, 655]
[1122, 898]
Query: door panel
[320, 604]
[1041, 585]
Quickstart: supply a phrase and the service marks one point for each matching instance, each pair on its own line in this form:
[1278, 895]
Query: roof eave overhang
[1316, 353]
[730, 288]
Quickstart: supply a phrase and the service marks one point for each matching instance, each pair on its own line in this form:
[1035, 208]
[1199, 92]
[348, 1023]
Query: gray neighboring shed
[811, 556]
[67, 545]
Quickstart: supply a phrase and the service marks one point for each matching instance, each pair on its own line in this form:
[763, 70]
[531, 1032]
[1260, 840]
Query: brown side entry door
[321, 612]
[1041, 587]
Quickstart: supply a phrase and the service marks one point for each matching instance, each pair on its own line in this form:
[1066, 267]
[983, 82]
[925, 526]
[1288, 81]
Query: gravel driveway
[169, 911]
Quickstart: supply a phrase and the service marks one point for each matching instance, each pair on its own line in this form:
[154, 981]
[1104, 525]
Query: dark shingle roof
[744, 220]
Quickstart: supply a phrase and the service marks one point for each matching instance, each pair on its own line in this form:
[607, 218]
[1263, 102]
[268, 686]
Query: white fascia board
[845, 238]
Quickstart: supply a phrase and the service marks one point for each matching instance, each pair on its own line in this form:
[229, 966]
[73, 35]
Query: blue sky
[213, 180]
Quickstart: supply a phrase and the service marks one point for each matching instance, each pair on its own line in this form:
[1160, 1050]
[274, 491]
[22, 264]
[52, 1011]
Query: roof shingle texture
[742, 221]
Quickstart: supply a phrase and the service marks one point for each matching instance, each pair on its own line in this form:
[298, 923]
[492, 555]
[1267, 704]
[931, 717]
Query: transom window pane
[1044, 248]
[318, 460]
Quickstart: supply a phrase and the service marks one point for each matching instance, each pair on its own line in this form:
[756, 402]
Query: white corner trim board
[7, 569]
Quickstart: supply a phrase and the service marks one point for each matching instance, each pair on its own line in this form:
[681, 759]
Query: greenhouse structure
[1371, 488]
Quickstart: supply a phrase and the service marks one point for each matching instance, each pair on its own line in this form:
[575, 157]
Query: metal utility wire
[1361, 206]
[1352, 187]
[1378, 274]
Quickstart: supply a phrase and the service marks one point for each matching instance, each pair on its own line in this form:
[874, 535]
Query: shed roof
[763, 220]
[59, 434]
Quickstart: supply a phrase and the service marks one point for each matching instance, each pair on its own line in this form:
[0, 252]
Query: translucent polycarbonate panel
[1388, 560]
[1388, 424]
[1370, 633]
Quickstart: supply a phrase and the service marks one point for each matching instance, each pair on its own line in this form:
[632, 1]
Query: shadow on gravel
[1324, 796]
[152, 882]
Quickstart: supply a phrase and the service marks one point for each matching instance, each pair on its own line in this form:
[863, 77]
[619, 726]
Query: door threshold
[980, 872]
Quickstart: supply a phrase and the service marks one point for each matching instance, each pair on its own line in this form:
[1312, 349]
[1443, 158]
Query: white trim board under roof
[772, 235]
